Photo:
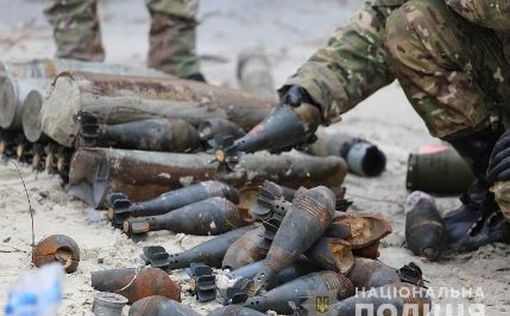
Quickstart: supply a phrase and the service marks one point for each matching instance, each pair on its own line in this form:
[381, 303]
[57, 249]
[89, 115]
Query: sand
[289, 31]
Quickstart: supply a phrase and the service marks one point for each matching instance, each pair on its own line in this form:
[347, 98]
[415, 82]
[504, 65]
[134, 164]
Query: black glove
[499, 163]
[296, 95]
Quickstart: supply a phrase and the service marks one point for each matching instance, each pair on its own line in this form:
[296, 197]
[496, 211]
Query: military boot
[476, 222]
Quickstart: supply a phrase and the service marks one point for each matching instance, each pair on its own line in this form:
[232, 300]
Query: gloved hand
[499, 163]
[295, 96]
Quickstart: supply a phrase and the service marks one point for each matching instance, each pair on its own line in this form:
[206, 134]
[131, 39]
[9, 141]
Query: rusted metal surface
[119, 99]
[425, 232]
[96, 172]
[213, 216]
[19, 78]
[172, 200]
[312, 211]
[396, 295]
[245, 250]
[57, 248]
[368, 273]
[168, 135]
[284, 127]
[331, 254]
[210, 252]
[365, 229]
[362, 157]
[158, 305]
[325, 283]
[371, 252]
[136, 283]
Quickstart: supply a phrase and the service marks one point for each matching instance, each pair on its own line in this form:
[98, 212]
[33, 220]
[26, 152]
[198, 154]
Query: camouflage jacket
[355, 61]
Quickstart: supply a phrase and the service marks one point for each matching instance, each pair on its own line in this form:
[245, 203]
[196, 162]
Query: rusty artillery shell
[235, 310]
[367, 273]
[176, 199]
[285, 126]
[396, 295]
[331, 254]
[312, 285]
[425, 232]
[311, 211]
[302, 266]
[158, 305]
[208, 217]
[245, 250]
[96, 172]
[136, 283]
[57, 248]
[371, 252]
[168, 135]
[363, 158]
[365, 229]
[118, 99]
[210, 252]
[214, 127]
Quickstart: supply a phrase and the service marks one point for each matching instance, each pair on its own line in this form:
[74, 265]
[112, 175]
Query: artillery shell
[176, 199]
[208, 217]
[210, 252]
[367, 273]
[158, 305]
[57, 248]
[425, 231]
[135, 284]
[331, 254]
[371, 252]
[312, 285]
[235, 310]
[283, 123]
[312, 211]
[396, 295]
[365, 229]
[245, 250]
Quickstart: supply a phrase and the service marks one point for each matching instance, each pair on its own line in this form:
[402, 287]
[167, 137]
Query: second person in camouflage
[77, 33]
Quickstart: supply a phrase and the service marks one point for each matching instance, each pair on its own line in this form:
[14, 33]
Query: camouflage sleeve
[352, 66]
[494, 14]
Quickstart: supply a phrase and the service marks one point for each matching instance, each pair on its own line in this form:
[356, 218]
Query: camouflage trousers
[172, 36]
[455, 73]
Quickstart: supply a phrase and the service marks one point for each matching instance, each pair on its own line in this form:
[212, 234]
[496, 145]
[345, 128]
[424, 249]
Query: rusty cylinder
[312, 211]
[365, 229]
[208, 217]
[367, 273]
[331, 254]
[136, 283]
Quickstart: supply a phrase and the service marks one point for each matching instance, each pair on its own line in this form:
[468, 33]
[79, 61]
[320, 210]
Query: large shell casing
[331, 254]
[57, 248]
[208, 217]
[136, 283]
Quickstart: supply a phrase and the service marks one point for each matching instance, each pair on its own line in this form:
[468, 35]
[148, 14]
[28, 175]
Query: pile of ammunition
[297, 247]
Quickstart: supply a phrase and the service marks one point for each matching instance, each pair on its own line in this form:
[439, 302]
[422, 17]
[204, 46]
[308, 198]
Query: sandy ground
[289, 30]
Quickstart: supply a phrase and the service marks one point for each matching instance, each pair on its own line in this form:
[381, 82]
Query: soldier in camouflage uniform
[172, 34]
[451, 57]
